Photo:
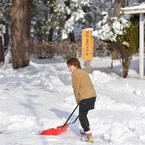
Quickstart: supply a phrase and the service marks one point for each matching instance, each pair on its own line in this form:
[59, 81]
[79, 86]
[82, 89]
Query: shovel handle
[71, 115]
[75, 119]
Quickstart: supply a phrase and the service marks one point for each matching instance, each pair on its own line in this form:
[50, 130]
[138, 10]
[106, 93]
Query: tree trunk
[71, 34]
[20, 33]
[6, 38]
[123, 55]
[72, 37]
[117, 6]
[125, 65]
[50, 35]
[1, 51]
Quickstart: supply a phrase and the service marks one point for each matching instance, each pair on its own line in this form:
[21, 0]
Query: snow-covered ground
[40, 96]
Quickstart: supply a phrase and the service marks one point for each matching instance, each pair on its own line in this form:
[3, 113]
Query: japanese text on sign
[87, 44]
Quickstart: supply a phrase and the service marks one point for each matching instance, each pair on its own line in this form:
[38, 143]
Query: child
[85, 95]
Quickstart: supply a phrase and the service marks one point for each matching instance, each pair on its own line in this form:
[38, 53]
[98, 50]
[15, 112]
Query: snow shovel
[59, 129]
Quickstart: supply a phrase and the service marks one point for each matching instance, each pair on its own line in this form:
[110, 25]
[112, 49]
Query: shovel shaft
[71, 115]
[75, 119]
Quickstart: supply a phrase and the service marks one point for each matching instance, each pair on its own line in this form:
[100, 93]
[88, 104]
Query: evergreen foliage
[130, 39]
[128, 46]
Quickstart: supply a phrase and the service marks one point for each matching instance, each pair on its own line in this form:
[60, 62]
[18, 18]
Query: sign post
[87, 47]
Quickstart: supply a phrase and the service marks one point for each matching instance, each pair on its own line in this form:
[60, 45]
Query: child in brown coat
[85, 95]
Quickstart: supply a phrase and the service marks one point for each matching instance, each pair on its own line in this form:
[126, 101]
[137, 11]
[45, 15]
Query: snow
[110, 28]
[40, 96]
[2, 29]
[140, 6]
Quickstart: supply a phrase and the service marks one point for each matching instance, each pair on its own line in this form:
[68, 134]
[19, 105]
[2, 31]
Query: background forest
[44, 28]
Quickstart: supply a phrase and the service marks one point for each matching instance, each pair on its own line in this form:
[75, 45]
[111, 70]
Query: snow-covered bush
[122, 35]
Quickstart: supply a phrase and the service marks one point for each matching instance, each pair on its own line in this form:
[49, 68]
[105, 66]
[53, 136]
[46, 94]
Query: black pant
[84, 120]
[84, 107]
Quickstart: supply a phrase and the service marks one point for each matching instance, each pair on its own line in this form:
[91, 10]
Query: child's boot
[87, 136]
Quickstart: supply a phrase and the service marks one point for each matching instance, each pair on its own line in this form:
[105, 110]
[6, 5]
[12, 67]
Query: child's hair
[75, 62]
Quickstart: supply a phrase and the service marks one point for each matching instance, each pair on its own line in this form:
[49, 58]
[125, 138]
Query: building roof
[134, 9]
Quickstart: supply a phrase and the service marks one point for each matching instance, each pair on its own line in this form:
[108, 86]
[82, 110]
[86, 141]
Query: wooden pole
[88, 66]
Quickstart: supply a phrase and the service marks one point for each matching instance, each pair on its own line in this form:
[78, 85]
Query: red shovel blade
[55, 131]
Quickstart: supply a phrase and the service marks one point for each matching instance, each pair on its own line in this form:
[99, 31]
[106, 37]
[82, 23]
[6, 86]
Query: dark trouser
[84, 107]
[84, 120]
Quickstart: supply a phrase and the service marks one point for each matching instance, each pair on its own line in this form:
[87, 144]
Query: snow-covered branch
[110, 28]
[2, 29]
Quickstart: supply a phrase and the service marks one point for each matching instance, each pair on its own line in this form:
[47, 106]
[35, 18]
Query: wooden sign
[87, 44]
